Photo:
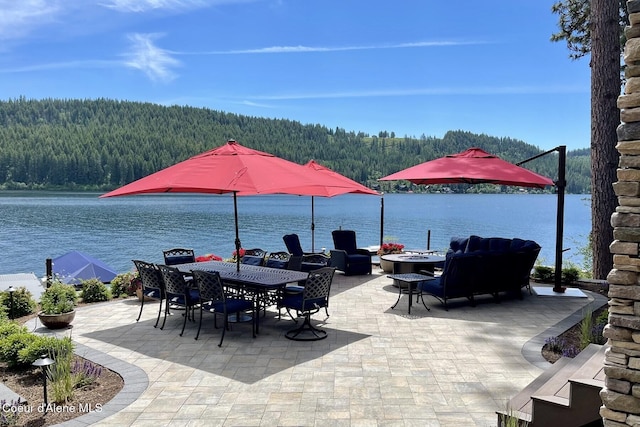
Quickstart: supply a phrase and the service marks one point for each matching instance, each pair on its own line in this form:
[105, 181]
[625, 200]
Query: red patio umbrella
[472, 166]
[231, 168]
[337, 184]
[476, 166]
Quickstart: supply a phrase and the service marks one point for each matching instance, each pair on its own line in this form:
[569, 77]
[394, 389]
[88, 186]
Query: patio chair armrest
[427, 273]
[363, 252]
[338, 259]
[318, 258]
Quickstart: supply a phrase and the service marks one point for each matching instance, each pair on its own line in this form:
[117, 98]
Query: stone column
[621, 395]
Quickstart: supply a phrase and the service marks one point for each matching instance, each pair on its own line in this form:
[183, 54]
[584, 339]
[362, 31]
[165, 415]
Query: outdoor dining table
[260, 280]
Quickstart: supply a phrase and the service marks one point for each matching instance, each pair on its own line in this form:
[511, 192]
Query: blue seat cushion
[293, 289]
[179, 259]
[252, 260]
[359, 259]
[432, 287]
[277, 263]
[295, 302]
[152, 292]
[192, 296]
[233, 305]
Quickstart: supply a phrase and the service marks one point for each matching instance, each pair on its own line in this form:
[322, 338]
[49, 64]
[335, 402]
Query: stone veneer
[621, 395]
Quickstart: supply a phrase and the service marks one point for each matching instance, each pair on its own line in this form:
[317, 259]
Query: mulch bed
[28, 383]
[572, 336]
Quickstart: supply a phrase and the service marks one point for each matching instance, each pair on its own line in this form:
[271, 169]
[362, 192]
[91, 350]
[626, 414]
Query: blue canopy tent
[75, 266]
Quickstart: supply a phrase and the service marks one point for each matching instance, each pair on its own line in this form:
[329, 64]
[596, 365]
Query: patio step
[567, 394]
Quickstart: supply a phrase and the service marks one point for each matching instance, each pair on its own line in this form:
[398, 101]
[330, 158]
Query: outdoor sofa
[475, 265]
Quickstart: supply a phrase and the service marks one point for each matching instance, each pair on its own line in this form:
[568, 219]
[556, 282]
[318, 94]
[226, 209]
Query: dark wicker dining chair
[304, 261]
[178, 256]
[314, 296]
[178, 293]
[253, 256]
[278, 259]
[214, 300]
[152, 285]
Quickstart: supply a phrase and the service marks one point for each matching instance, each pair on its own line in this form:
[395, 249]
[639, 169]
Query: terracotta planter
[57, 321]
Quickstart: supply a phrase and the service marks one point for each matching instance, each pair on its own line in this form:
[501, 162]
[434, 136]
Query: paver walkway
[378, 367]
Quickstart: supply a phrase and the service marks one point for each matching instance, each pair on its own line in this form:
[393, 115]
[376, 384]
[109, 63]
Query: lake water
[37, 226]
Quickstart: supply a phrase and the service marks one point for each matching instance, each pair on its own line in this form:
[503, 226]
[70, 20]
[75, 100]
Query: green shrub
[8, 328]
[603, 318]
[58, 298]
[546, 274]
[42, 345]
[125, 284]
[11, 346]
[23, 302]
[543, 273]
[570, 275]
[93, 290]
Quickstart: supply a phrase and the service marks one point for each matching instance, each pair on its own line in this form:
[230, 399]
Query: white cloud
[480, 90]
[305, 49]
[136, 6]
[20, 18]
[155, 62]
[91, 63]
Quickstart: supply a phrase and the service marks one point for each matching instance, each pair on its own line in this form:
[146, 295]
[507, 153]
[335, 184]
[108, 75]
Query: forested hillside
[102, 144]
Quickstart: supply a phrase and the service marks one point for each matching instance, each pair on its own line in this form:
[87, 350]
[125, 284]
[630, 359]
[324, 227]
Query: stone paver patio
[378, 367]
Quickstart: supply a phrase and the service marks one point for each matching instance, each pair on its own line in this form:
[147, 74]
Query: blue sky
[412, 67]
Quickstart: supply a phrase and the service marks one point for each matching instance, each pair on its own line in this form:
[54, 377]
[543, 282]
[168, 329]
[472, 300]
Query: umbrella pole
[560, 185]
[381, 220]
[238, 245]
[313, 228]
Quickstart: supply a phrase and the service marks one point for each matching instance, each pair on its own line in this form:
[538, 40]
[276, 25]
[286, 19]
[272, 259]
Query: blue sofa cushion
[487, 266]
[458, 243]
[499, 244]
[530, 245]
[516, 244]
[477, 243]
[448, 256]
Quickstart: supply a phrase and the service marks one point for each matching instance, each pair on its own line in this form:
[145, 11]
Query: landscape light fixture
[44, 361]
